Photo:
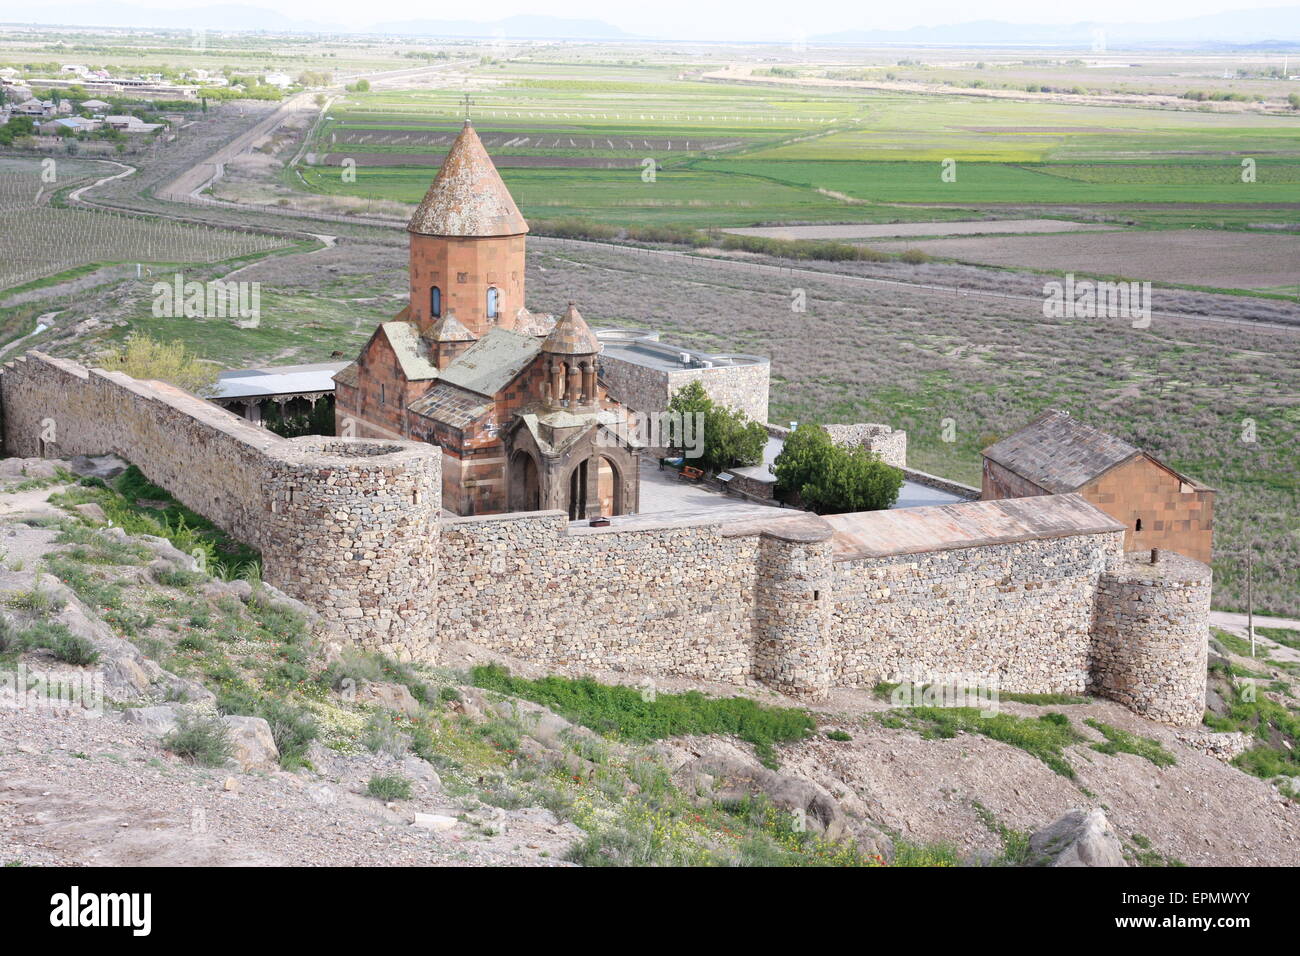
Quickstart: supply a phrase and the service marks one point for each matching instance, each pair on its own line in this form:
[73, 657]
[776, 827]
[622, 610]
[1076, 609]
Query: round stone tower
[1150, 636]
[792, 599]
[467, 244]
[352, 529]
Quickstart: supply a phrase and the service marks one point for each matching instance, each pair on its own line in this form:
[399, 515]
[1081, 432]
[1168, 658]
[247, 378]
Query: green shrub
[381, 735]
[1121, 741]
[1044, 737]
[37, 600]
[202, 740]
[178, 578]
[830, 479]
[627, 713]
[292, 726]
[362, 667]
[838, 735]
[193, 642]
[730, 439]
[74, 649]
[59, 641]
[389, 787]
[277, 620]
[92, 547]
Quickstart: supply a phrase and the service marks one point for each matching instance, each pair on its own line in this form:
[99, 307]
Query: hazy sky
[775, 18]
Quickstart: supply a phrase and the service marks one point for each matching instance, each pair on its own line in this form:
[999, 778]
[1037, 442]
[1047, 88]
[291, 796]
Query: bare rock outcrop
[1079, 838]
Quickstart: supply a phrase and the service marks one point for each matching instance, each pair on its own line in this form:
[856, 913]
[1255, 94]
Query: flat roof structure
[283, 381]
[642, 347]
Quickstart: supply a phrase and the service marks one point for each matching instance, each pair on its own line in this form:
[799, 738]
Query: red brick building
[513, 398]
[1056, 454]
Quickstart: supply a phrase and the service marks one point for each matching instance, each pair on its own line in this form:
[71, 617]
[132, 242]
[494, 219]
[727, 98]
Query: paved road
[1229, 620]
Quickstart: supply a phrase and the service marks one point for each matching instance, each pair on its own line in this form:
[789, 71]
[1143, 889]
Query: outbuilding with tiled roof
[1057, 454]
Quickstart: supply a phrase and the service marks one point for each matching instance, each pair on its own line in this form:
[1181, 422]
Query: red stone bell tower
[467, 244]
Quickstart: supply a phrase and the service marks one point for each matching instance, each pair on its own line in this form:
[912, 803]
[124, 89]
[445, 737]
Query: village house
[514, 399]
[72, 124]
[130, 124]
[1056, 454]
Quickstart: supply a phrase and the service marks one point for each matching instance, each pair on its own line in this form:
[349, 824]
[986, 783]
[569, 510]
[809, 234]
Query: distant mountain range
[1270, 25]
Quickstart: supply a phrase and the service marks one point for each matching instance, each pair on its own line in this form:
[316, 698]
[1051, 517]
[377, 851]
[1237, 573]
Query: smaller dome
[572, 335]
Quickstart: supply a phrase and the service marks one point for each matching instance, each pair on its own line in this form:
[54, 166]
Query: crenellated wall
[1031, 594]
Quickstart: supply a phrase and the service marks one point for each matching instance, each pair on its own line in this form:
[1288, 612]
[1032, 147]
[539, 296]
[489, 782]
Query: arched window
[492, 302]
[435, 302]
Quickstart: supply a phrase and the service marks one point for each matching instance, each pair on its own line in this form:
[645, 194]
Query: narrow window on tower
[435, 302]
[491, 302]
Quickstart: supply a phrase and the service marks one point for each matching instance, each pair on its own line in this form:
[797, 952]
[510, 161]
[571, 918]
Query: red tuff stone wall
[464, 269]
[1175, 516]
[376, 407]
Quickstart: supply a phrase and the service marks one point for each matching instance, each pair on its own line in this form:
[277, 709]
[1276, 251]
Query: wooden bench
[690, 473]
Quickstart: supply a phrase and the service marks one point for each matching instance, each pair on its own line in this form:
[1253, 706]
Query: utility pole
[1250, 597]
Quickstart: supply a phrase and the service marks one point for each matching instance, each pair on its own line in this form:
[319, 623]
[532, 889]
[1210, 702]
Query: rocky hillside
[229, 732]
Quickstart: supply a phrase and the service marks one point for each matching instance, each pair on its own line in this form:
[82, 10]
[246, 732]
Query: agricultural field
[573, 140]
[39, 239]
[1201, 257]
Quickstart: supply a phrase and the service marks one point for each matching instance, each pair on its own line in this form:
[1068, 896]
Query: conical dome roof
[571, 335]
[467, 197]
[449, 329]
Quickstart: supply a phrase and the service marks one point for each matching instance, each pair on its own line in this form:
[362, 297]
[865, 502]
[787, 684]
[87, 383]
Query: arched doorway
[525, 488]
[578, 491]
[609, 487]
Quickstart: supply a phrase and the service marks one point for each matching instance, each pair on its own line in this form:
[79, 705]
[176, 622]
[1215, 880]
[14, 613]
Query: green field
[738, 154]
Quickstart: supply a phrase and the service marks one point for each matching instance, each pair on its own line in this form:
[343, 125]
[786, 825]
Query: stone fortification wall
[348, 525]
[1149, 643]
[1029, 594]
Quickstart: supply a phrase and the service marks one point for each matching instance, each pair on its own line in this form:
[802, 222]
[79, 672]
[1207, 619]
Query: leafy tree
[17, 127]
[731, 439]
[145, 358]
[831, 479]
[1294, 100]
[805, 455]
[854, 480]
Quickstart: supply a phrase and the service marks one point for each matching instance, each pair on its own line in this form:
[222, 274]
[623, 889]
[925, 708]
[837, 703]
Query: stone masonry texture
[355, 527]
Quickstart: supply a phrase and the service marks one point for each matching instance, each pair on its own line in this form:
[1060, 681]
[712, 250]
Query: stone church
[515, 399]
